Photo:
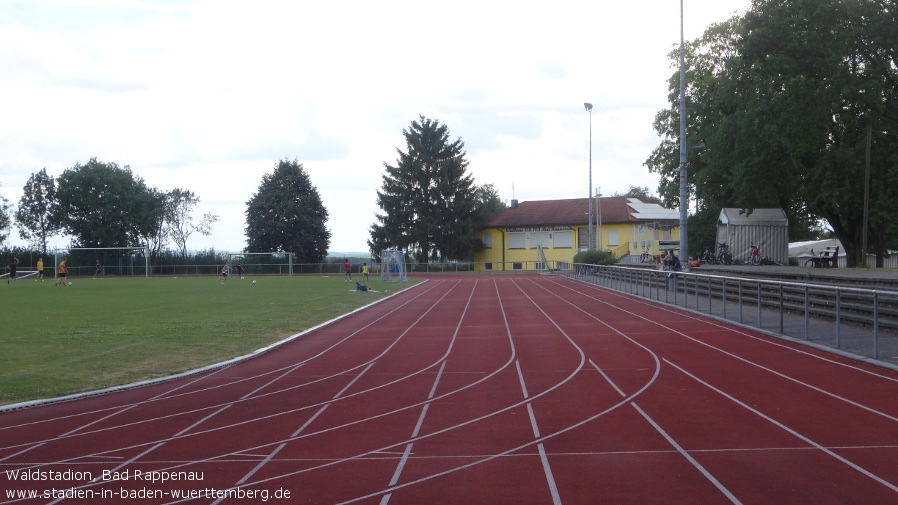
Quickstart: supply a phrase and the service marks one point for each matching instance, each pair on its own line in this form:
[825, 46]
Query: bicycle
[708, 257]
[724, 257]
[755, 256]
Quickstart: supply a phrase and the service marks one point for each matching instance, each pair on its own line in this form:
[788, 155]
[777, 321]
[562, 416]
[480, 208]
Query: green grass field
[97, 333]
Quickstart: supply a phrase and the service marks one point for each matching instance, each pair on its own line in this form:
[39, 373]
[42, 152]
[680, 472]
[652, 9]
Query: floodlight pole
[684, 154]
[592, 239]
[599, 215]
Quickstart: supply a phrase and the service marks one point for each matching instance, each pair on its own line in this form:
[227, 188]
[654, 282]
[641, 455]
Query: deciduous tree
[286, 214]
[179, 223]
[33, 216]
[4, 219]
[783, 98]
[104, 205]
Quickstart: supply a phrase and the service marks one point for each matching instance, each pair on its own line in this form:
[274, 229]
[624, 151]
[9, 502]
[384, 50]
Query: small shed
[768, 228]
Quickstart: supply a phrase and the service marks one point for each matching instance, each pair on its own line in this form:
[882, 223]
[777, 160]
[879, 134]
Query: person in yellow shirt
[61, 272]
[365, 271]
[40, 270]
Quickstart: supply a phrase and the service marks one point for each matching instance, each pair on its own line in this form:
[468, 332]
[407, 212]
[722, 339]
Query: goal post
[392, 266]
[261, 263]
[123, 261]
[542, 264]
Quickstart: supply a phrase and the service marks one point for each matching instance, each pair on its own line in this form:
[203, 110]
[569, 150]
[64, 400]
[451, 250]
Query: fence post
[781, 308]
[838, 317]
[875, 324]
[759, 305]
[807, 313]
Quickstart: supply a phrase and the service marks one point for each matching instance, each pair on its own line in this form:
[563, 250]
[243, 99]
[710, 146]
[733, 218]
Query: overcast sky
[209, 95]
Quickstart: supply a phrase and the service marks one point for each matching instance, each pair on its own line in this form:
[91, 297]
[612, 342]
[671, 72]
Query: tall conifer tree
[429, 201]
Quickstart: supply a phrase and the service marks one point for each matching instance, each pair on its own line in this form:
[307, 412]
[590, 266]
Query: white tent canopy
[813, 247]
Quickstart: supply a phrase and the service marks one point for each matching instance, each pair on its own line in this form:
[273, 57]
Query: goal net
[542, 264]
[270, 263]
[392, 267]
[119, 261]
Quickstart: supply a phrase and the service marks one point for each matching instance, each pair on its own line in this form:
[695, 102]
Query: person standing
[61, 272]
[13, 265]
[239, 269]
[365, 271]
[97, 268]
[40, 270]
[224, 272]
[347, 268]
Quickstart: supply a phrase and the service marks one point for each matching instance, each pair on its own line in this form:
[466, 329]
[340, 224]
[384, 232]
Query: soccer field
[97, 333]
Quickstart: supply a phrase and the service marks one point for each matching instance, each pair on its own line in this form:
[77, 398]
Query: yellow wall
[502, 258]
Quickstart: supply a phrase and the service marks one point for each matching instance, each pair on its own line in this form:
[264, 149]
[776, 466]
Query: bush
[595, 258]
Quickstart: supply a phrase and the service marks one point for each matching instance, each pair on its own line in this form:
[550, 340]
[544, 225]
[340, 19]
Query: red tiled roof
[571, 212]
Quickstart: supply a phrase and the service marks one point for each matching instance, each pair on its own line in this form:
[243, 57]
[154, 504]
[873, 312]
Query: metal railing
[861, 322]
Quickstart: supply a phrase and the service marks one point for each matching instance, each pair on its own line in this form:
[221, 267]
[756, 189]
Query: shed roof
[757, 217]
[570, 212]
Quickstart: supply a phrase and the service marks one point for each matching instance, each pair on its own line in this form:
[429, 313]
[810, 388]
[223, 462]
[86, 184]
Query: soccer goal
[271, 263]
[124, 261]
[392, 266]
[542, 264]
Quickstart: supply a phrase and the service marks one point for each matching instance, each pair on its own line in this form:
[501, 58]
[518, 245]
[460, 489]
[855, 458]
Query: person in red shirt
[347, 267]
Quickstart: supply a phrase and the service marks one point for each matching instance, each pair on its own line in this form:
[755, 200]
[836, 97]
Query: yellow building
[625, 226]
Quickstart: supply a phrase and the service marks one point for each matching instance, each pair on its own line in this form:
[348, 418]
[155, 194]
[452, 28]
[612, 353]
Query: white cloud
[208, 95]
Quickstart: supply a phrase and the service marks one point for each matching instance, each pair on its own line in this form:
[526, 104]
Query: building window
[563, 240]
[516, 241]
[613, 238]
[517, 266]
[488, 240]
[487, 266]
[539, 238]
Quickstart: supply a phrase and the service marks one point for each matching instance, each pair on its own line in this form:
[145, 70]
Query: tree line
[431, 207]
[796, 103]
[101, 204]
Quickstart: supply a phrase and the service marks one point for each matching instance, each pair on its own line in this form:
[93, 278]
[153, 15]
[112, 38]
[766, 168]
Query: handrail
[858, 321]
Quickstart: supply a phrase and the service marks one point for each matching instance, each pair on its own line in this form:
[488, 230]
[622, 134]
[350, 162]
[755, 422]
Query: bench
[829, 258]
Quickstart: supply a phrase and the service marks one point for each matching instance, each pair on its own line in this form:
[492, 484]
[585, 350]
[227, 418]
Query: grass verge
[98, 333]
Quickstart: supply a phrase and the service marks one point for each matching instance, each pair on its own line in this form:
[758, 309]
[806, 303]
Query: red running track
[507, 389]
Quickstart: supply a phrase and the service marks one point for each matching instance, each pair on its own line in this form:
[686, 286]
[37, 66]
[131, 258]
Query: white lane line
[278, 449]
[491, 457]
[607, 379]
[486, 458]
[553, 488]
[688, 456]
[408, 448]
[752, 363]
[212, 372]
[792, 432]
[417, 428]
[116, 411]
[547, 468]
[170, 438]
[183, 433]
[671, 441]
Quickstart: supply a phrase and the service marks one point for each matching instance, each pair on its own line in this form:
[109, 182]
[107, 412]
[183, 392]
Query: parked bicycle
[755, 256]
[708, 256]
[724, 257]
